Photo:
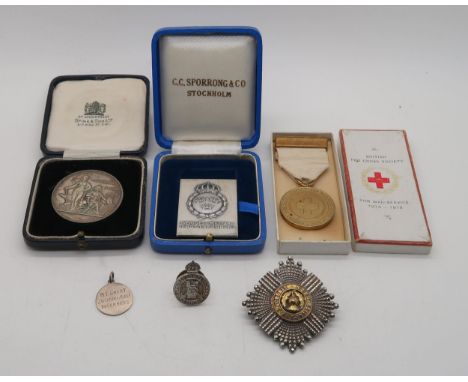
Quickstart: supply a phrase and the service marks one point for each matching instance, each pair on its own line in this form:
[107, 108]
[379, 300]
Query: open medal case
[207, 98]
[96, 123]
[335, 237]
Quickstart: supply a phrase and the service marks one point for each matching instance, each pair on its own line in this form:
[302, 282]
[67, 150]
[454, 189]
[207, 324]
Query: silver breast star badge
[290, 304]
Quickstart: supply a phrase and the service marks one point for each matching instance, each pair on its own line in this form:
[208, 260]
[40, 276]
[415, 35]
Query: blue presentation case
[170, 167]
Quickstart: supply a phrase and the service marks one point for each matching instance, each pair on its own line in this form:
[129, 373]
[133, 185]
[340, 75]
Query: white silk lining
[207, 86]
[98, 115]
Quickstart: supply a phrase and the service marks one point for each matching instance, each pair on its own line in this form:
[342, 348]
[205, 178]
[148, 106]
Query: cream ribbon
[304, 165]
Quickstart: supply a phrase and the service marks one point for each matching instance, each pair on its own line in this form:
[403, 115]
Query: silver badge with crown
[290, 304]
[191, 286]
[207, 208]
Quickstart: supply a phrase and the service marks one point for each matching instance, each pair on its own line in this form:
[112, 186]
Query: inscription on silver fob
[87, 196]
[114, 298]
[191, 286]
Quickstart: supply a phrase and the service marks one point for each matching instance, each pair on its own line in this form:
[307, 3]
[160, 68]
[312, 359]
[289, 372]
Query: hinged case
[91, 122]
[385, 204]
[207, 101]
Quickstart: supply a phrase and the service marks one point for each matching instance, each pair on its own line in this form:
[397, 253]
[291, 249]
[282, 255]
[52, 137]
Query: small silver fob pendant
[114, 298]
[191, 286]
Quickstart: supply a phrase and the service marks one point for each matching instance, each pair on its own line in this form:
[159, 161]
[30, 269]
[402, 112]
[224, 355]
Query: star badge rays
[290, 304]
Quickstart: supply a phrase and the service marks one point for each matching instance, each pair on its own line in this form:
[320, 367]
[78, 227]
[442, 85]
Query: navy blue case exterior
[200, 246]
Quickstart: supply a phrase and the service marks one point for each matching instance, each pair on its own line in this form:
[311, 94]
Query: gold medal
[304, 160]
[307, 208]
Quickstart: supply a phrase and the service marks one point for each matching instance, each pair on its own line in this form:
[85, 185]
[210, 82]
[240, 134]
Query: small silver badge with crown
[191, 286]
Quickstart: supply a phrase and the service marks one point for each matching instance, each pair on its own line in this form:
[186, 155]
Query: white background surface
[324, 69]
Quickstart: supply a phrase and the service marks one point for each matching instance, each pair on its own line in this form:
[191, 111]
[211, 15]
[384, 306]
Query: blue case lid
[165, 141]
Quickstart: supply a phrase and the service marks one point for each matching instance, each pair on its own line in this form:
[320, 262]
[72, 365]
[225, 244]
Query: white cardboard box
[385, 205]
[335, 238]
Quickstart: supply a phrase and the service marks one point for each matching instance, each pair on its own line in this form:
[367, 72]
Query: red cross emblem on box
[378, 179]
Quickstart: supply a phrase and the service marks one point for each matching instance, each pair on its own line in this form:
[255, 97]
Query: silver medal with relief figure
[87, 196]
[290, 304]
